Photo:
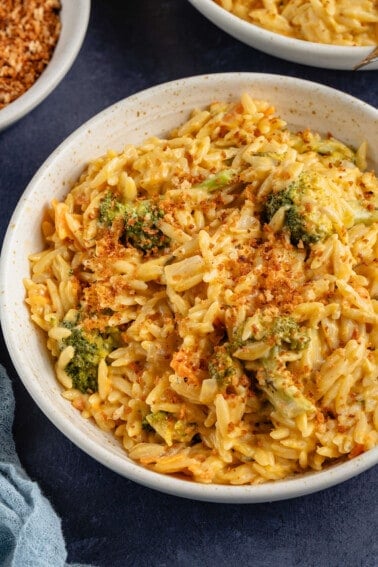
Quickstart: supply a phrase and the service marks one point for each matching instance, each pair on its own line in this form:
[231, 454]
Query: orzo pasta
[211, 298]
[339, 22]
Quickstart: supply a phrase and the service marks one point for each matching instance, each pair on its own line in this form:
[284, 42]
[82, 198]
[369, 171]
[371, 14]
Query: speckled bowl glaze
[156, 111]
[74, 17]
[296, 50]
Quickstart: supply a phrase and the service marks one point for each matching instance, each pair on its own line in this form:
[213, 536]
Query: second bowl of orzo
[191, 280]
[336, 34]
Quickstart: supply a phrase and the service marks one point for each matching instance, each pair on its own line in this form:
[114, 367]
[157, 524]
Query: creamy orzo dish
[211, 297]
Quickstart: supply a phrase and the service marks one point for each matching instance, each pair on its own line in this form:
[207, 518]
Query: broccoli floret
[90, 348]
[281, 334]
[288, 334]
[305, 202]
[110, 209]
[218, 180]
[275, 330]
[170, 428]
[141, 227]
[223, 367]
[139, 219]
[276, 201]
[302, 218]
[277, 382]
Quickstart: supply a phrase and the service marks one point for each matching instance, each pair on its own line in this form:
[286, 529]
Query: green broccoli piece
[303, 222]
[90, 348]
[140, 221]
[288, 334]
[141, 227]
[277, 382]
[110, 209]
[223, 367]
[170, 428]
[219, 180]
[305, 202]
[281, 334]
[276, 330]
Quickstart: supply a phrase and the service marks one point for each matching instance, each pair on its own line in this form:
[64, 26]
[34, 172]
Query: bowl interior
[155, 112]
[296, 50]
[74, 17]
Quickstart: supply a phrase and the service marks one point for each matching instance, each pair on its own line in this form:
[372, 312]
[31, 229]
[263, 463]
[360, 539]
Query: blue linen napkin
[30, 530]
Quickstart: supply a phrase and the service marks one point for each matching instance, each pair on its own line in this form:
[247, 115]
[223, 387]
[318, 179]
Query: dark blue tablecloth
[108, 520]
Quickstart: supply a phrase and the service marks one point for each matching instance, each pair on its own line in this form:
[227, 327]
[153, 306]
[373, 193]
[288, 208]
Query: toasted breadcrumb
[29, 31]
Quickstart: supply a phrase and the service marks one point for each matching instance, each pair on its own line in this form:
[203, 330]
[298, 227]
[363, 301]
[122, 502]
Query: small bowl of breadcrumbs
[39, 41]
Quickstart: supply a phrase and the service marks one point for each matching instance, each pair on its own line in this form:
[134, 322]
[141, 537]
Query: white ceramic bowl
[156, 111]
[296, 50]
[74, 17]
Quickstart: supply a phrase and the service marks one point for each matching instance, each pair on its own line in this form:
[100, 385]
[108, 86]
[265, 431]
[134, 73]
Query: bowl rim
[267, 492]
[66, 50]
[322, 48]
[278, 45]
